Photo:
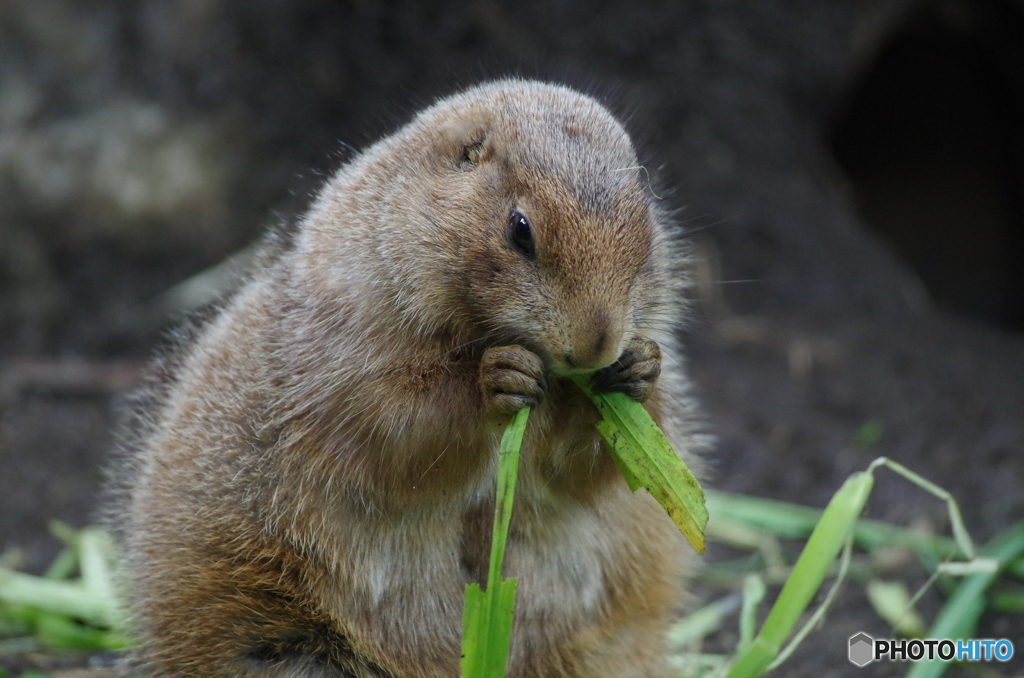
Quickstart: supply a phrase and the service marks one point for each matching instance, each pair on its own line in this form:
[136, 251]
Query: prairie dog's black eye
[520, 234]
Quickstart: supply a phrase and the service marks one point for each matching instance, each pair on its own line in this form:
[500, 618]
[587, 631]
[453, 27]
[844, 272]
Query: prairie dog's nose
[595, 343]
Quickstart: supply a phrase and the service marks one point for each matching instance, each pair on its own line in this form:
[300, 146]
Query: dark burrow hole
[932, 139]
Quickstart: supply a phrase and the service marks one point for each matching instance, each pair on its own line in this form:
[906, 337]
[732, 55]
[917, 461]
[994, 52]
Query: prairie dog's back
[316, 487]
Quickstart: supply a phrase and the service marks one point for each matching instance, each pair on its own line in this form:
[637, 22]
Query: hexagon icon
[862, 649]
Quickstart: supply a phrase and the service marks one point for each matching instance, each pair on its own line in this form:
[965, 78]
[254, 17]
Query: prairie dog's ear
[465, 143]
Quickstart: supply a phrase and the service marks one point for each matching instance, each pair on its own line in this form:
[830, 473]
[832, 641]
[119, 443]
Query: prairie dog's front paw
[511, 378]
[634, 373]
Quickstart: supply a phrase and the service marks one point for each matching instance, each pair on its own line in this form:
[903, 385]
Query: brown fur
[316, 487]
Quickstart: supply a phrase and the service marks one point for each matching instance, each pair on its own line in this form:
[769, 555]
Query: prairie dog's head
[515, 209]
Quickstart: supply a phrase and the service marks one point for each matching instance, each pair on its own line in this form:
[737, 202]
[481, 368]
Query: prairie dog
[316, 486]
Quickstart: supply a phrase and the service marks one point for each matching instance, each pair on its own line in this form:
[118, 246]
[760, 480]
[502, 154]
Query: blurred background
[851, 173]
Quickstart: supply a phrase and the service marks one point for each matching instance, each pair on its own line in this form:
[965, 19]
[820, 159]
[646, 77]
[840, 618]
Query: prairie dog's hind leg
[210, 626]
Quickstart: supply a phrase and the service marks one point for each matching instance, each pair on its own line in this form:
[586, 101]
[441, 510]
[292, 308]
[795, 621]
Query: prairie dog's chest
[406, 579]
[433, 551]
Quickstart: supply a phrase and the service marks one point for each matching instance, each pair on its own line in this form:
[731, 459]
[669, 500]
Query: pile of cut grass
[72, 606]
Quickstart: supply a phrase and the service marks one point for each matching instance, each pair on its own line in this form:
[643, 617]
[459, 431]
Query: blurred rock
[127, 172]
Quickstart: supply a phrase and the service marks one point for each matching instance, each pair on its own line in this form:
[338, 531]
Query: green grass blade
[753, 593]
[95, 561]
[508, 471]
[63, 565]
[81, 614]
[62, 597]
[646, 459]
[474, 630]
[959, 616]
[502, 605]
[892, 602]
[609, 433]
[1008, 602]
[61, 632]
[822, 548]
[792, 521]
[487, 615]
[701, 623]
